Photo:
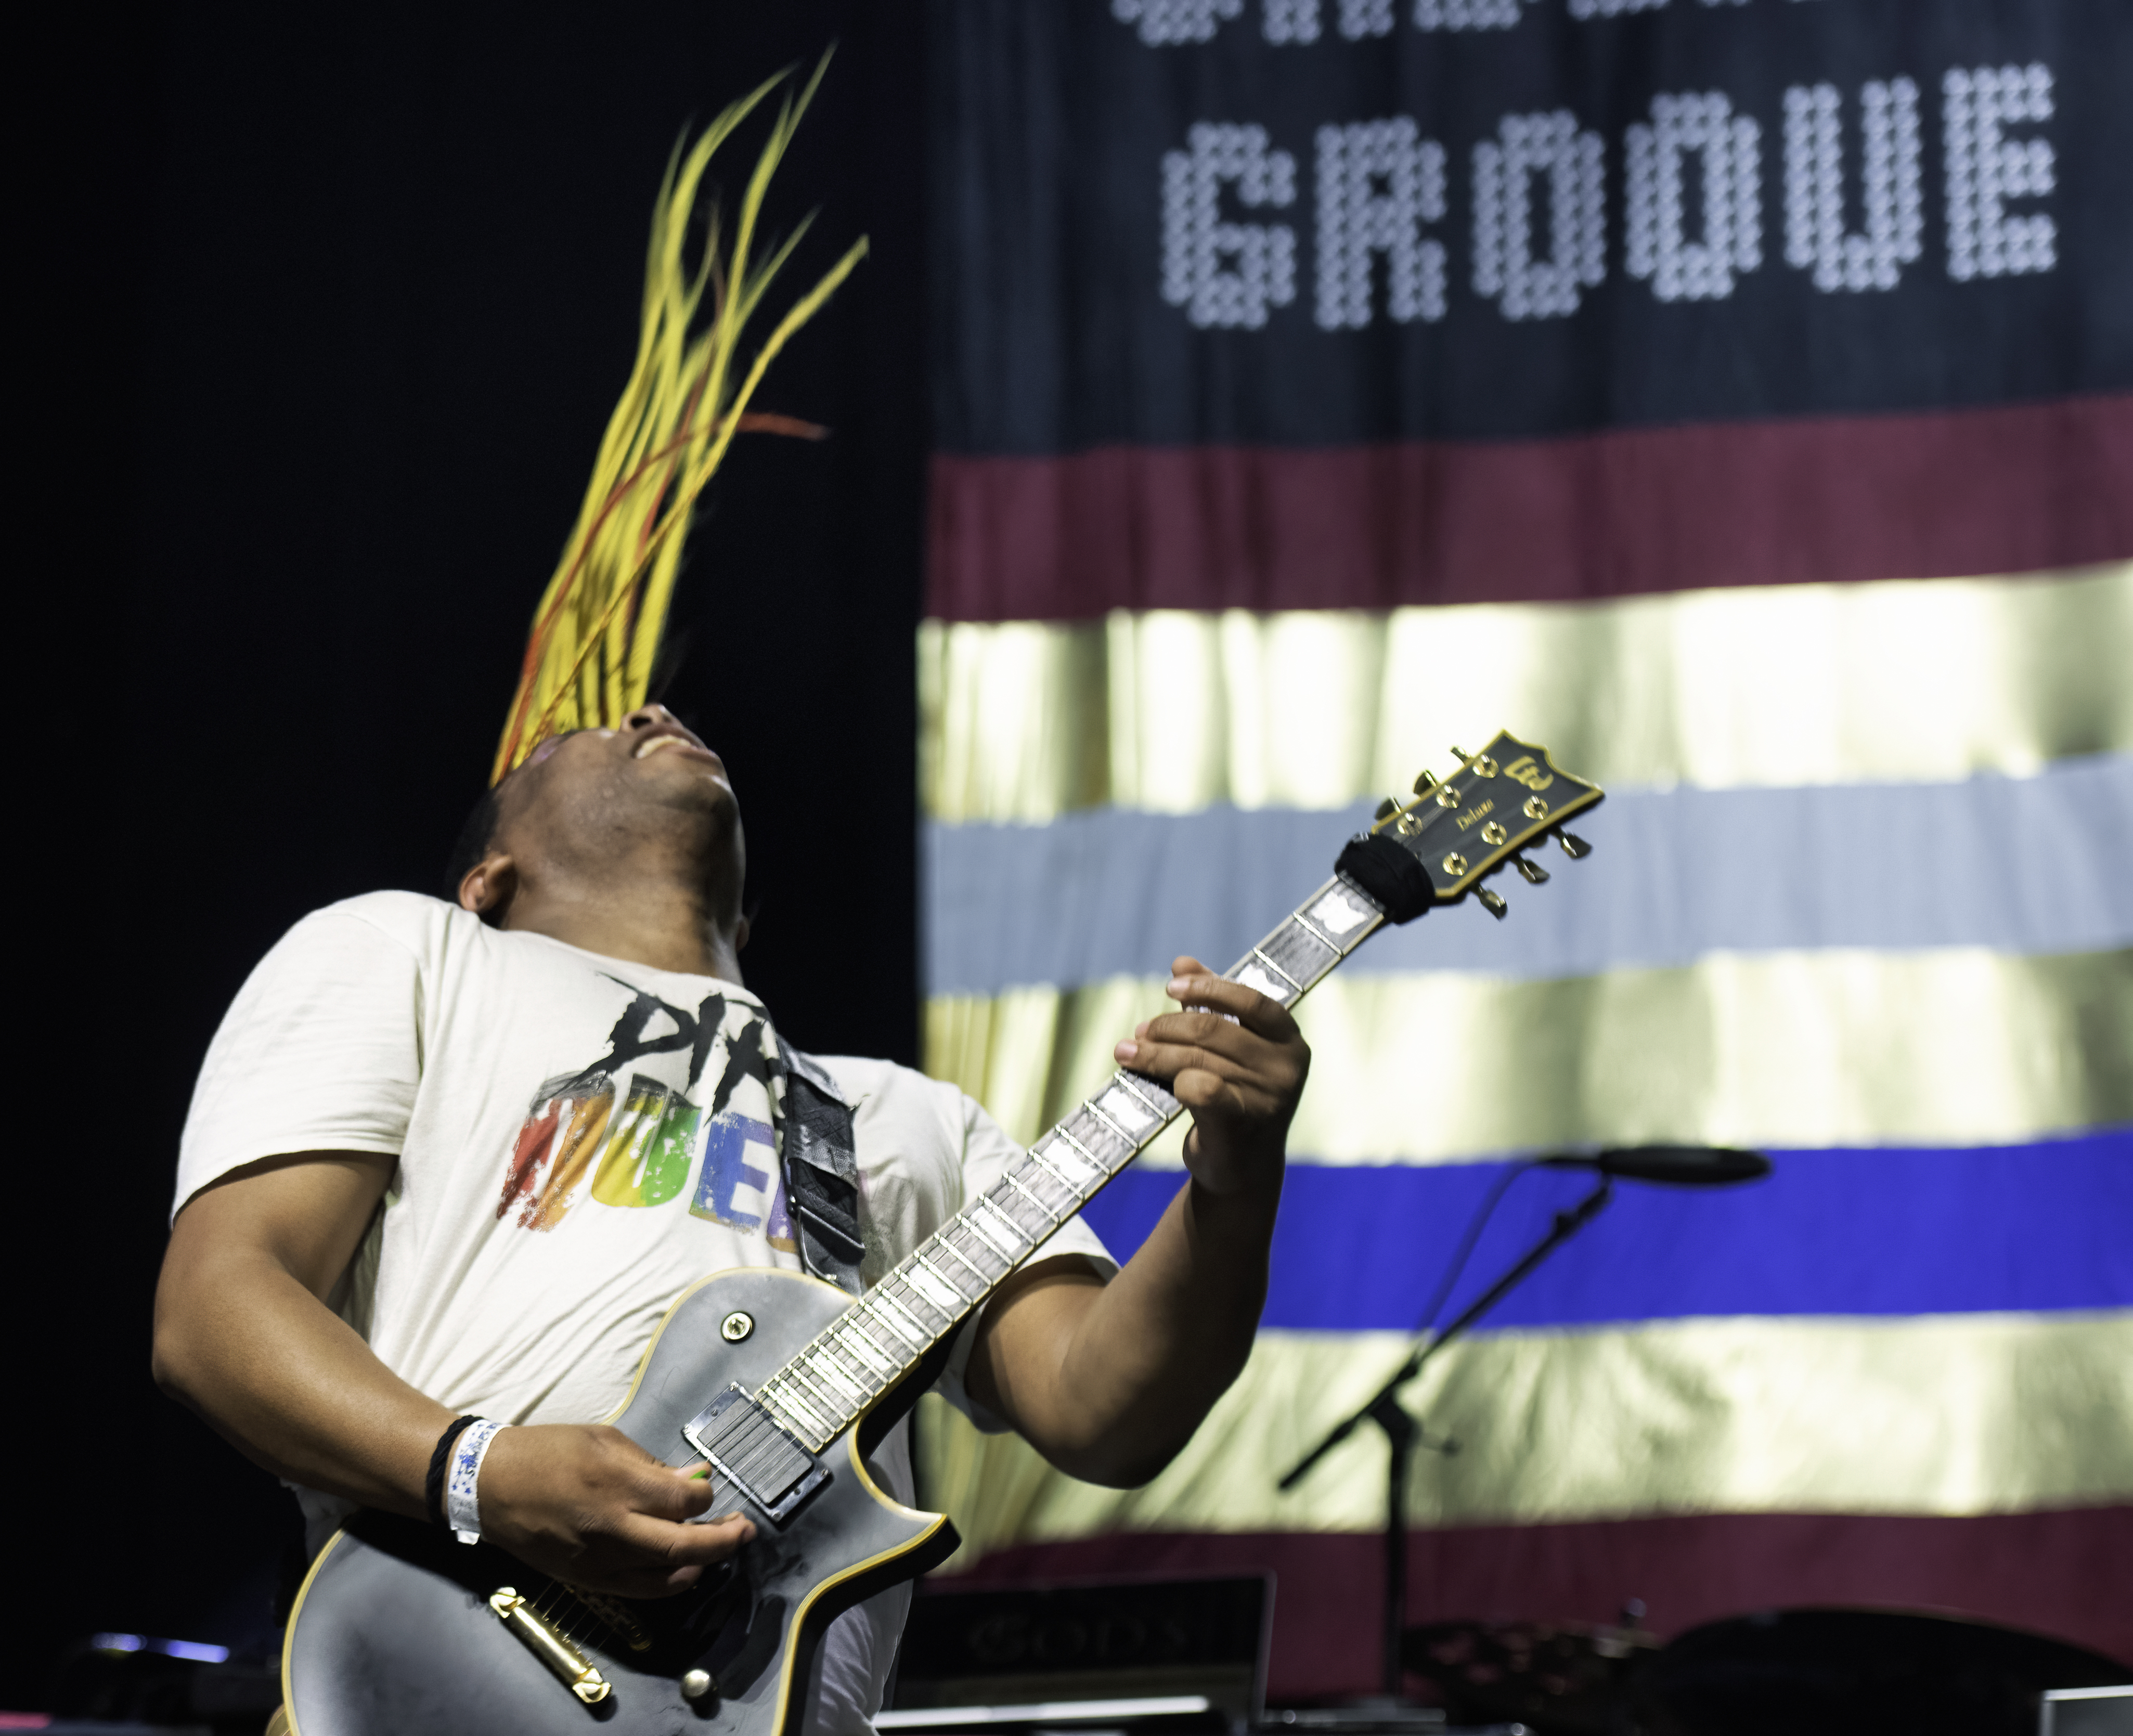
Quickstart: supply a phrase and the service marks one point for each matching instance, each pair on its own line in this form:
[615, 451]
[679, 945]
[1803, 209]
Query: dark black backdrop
[333, 309]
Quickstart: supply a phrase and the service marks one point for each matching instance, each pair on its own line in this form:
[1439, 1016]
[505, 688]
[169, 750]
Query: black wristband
[433, 1485]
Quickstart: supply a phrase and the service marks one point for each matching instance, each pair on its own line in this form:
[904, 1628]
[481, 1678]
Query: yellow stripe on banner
[1827, 1048]
[1947, 1414]
[1910, 680]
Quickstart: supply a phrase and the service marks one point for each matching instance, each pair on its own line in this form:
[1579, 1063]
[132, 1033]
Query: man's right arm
[243, 1336]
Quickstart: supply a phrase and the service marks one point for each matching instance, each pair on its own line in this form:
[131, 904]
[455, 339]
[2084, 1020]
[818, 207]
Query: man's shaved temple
[478, 835]
[475, 838]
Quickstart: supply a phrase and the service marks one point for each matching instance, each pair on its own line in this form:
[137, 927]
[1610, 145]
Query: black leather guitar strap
[821, 1172]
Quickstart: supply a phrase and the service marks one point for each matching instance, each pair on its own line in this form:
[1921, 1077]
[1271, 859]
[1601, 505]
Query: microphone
[1668, 1166]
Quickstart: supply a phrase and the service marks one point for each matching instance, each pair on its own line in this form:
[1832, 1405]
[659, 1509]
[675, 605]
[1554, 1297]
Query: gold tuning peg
[1492, 902]
[1424, 783]
[1388, 807]
[1533, 871]
[1573, 846]
[1462, 754]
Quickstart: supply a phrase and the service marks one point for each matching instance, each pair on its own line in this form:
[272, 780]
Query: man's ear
[489, 887]
[740, 934]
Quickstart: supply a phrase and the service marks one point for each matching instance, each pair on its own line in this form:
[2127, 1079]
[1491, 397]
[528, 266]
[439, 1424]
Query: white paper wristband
[462, 1506]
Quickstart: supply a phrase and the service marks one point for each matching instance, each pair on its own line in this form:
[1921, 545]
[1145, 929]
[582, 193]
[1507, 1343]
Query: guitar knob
[1424, 783]
[1387, 809]
[1534, 873]
[1573, 846]
[696, 1683]
[1492, 902]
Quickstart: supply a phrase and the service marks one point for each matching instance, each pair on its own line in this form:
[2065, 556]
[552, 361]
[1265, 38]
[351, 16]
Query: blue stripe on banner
[2029, 865]
[1875, 1232]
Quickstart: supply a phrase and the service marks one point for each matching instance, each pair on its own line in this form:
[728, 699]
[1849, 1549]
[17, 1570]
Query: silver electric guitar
[786, 1385]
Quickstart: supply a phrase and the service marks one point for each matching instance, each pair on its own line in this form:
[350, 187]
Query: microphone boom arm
[1404, 1434]
[1567, 1222]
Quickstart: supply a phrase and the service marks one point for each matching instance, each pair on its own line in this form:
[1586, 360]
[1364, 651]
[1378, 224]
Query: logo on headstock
[1405, 831]
[1526, 771]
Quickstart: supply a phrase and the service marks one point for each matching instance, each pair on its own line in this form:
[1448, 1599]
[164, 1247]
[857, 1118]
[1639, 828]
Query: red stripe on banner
[2061, 1574]
[2014, 489]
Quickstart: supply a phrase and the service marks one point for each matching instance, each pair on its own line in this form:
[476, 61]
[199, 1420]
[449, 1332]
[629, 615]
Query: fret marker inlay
[1125, 1112]
[935, 1289]
[1340, 910]
[1000, 1245]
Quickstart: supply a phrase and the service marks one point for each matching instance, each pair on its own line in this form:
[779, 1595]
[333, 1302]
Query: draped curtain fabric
[1737, 397]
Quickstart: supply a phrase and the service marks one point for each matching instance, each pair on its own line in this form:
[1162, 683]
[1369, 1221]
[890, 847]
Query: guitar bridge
[739, 1437]
[564, 1662]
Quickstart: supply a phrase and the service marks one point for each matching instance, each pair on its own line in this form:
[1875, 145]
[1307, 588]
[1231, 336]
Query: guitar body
[394, 1633]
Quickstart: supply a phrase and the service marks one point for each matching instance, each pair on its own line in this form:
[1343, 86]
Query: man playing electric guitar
[445, 1161]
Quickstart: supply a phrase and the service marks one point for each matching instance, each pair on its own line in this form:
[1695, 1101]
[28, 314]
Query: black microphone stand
[1403, 1433]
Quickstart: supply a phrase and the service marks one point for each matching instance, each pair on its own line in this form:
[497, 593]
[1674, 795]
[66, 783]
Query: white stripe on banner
[2030, 865]
[1900, 681]
[1955, 1045]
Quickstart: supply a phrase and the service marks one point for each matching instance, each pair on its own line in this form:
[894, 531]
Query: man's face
[590, 800]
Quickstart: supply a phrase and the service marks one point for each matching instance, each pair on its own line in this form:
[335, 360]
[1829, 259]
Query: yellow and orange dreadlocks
[589, 654]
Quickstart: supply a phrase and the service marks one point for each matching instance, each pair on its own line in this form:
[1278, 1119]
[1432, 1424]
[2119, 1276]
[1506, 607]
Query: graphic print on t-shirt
[555, 1148]
[649, 1152]
[740, 1186]
[639, 1141]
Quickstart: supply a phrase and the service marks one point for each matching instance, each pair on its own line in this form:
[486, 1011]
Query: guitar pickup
[740, 1438]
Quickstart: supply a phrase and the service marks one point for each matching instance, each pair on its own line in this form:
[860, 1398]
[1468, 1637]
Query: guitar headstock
[1468, 825]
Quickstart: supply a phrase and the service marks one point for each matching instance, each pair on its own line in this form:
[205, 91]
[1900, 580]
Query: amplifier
[1179, 1654]
[2087, 1711]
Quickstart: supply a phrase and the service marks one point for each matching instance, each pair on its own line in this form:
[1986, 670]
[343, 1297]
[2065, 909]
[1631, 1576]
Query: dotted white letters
[1891, 196]
[1466, 14]
[1612, 8]
[1226, 274]
[1165, 21]
[1986, 169]
[1362, 18]
[1377, 184]
[1290, 21]
[1730, 147]
[1527, 285]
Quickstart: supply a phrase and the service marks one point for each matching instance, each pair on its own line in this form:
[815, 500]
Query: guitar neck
[881, 1339]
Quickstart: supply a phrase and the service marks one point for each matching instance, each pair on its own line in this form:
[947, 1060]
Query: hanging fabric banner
[1736, 396]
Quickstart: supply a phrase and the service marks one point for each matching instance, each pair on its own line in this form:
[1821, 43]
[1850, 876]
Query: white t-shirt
[579, 1138]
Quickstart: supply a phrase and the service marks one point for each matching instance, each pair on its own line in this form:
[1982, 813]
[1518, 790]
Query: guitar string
[1010, 1185]
[1258, 957]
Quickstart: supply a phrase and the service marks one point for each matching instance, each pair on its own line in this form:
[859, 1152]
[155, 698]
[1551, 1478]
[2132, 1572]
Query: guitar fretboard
[878, 1341]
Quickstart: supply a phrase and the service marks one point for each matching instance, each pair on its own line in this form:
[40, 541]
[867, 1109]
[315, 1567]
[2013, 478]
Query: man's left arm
[1108, 1381]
